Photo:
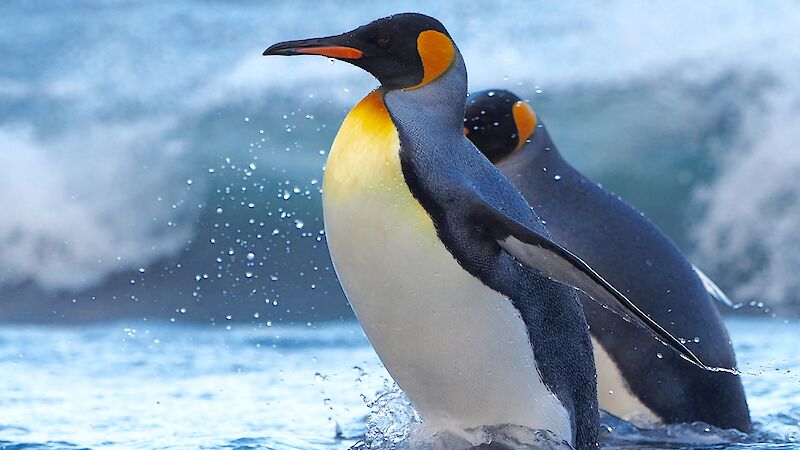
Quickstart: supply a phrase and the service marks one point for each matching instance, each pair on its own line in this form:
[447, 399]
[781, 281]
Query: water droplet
[319, 378]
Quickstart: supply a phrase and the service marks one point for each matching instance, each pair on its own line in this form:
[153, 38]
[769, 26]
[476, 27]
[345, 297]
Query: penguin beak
[332, 47]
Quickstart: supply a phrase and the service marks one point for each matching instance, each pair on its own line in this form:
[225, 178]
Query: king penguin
[453, 277]
[635, 378]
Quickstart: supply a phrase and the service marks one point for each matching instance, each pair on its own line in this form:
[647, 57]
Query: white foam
[84, 206]
[752, 218]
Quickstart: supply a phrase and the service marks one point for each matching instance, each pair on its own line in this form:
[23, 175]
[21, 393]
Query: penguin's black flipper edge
[538, 252]
[713, 290]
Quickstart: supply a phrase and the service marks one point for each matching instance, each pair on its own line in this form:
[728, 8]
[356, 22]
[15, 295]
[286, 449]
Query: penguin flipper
[538, 252]
[713, 290]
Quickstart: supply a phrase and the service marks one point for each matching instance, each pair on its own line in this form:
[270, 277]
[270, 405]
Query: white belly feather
[613, 393]
[458, 349]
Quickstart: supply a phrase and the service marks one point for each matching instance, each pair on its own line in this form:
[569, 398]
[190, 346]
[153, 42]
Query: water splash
[393, 423]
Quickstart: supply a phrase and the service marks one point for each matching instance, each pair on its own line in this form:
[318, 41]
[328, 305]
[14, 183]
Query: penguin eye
[383, 42]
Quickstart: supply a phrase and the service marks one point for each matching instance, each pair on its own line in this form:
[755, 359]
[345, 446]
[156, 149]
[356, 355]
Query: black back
[637, 258]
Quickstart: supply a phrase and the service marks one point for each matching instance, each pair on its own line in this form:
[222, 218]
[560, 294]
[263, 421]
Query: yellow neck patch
[364, 165]
[366, 151]
[436, 51]
[525, 120]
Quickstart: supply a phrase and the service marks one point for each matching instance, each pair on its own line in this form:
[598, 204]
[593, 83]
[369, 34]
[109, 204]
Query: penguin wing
[540, 253]
[713, 290]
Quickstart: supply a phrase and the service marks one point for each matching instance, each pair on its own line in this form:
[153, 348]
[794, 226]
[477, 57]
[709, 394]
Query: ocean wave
[77, 208]
[685, 109]
[752, 208]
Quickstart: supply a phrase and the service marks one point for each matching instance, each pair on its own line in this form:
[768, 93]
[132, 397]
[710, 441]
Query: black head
[402, 51]
[498, 122]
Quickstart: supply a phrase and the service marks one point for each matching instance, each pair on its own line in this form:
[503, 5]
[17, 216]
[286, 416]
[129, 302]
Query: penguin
[466, 299]
[636, 380]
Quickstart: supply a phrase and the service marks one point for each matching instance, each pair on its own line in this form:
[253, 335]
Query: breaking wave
[125, 129]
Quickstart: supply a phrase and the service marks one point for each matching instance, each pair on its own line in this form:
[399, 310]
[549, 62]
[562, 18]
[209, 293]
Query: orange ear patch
[436, 51]
[525, 120]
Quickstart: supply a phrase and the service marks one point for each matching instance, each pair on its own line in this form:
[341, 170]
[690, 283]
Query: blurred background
[154, 166]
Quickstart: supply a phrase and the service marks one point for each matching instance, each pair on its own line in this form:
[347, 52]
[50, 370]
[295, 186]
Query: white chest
[457, 348]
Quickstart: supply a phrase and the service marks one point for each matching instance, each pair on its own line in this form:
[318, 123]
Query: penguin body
[458, 348]
[452, 275]
[636, 379]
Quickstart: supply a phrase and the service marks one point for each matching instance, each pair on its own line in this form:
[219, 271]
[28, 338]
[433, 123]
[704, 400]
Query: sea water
[155, 385]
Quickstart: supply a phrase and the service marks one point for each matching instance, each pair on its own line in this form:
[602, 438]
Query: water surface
[169, 386]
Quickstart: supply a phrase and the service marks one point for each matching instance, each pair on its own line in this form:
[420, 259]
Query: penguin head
[403, 51]
[498, 123]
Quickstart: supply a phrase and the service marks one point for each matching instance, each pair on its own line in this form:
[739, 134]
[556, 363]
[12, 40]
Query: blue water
[167, 386]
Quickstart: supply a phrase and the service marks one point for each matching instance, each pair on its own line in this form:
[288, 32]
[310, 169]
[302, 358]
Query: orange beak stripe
[332, 52]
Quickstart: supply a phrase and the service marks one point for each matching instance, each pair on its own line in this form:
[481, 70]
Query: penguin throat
[437, 105]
